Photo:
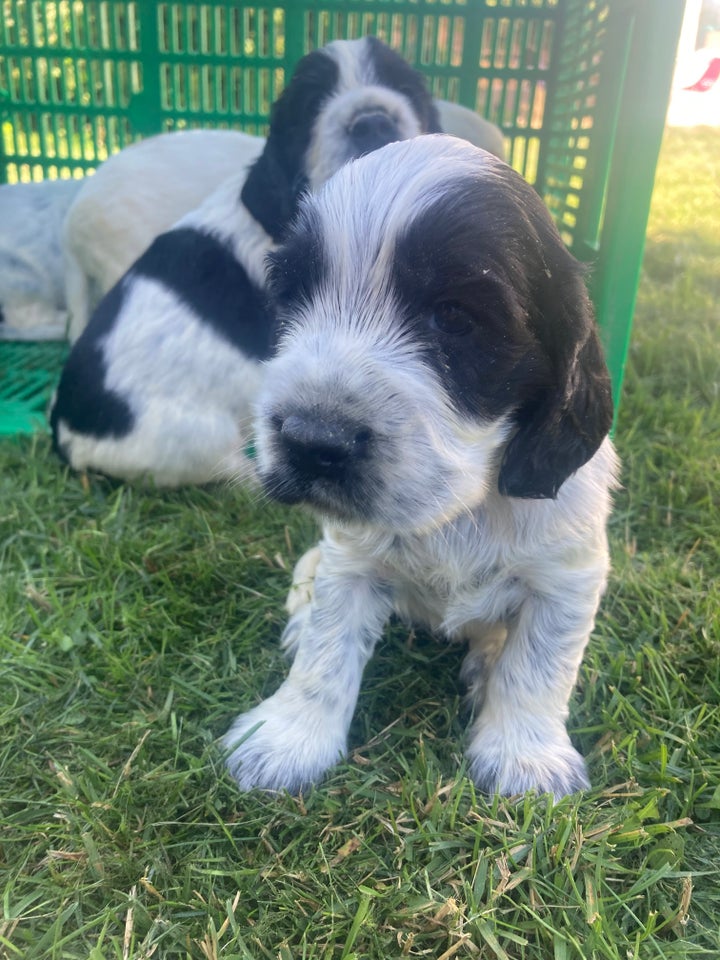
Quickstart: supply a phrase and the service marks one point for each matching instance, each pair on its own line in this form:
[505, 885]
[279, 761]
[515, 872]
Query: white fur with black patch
[186, 388]
[161, 382]
[134, 196]
[440, 400]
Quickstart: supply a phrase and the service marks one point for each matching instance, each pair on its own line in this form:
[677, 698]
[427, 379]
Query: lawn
[135, 624]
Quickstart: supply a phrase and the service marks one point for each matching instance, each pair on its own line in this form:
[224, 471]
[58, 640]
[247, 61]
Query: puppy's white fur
[32, 291]
[134, 196]
[414, 522]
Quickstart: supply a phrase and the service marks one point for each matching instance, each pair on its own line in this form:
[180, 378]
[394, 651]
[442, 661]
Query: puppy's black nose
[370, 131]
[322, 448]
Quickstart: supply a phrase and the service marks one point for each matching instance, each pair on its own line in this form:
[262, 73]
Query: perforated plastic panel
[28, 372]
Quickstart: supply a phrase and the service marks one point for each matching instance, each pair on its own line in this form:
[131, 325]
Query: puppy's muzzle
[372, 130]
[318, 448]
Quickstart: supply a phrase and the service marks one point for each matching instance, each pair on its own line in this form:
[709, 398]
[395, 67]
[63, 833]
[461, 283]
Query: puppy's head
[436, 340]
[342, 102]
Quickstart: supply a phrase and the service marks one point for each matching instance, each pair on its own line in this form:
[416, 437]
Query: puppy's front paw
[521, 761]
[285, 743]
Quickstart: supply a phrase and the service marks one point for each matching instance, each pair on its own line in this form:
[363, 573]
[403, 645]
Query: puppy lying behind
[161, 382]
[32, 287]
[139, 193]
[440, 400]
[134, 196]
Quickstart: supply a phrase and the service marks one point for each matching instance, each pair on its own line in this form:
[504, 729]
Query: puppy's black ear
[560, 429]
[268, 193]
[278, 177]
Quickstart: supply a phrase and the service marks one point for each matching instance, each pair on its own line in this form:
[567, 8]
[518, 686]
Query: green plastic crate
[579, 87]
[28, 372]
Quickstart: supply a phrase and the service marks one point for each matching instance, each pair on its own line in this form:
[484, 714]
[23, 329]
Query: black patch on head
[503, 313]
[465, 297]
[278, 177]
[393, 71]
[82, 399]
[202, 271]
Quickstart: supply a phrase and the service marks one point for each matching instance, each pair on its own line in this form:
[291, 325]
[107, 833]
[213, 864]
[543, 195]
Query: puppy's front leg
[518, 741]
[291, 739]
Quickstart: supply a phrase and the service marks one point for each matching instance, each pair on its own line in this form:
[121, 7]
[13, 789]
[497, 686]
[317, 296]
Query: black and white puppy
[440, 400]
[161, 382]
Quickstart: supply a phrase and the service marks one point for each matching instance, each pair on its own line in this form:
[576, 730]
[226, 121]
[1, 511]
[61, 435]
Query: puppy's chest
[466, 575]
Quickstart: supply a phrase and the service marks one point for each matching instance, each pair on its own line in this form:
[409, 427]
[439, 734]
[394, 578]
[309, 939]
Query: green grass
[135, 624]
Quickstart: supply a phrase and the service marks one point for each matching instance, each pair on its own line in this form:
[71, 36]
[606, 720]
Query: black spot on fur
[82, 399]
[202, 271]
[453, 259]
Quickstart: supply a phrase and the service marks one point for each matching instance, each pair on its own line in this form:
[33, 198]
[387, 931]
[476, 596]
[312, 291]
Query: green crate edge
[37, 364]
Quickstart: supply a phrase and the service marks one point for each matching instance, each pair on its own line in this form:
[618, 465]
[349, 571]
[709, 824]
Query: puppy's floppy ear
[278, 177]
[560, 429]
[269, 194]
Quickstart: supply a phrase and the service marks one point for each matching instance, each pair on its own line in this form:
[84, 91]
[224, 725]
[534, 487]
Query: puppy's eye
[451, 318]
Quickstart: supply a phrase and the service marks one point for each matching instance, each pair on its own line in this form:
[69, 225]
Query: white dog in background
[139, 193]
[162, 381]
[32, 284]
[439, 398]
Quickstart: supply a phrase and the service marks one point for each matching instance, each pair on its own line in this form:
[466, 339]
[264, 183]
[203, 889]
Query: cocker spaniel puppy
[32, 289]
[161, 382]
[440, 400]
